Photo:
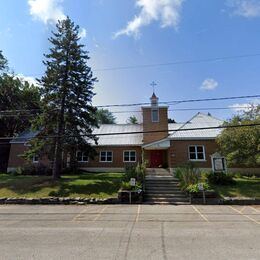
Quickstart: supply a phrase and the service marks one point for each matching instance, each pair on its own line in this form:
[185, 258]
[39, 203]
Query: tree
[170, 120]
[132, 120]
[16, 98]
[3, 62]
[68, 117]
[104, 116]
[241, 146]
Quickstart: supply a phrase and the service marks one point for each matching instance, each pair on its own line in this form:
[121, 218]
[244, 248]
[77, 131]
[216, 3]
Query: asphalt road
[129, 232]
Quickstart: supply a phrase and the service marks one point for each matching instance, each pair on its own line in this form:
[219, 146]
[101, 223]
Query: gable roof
[122, 139]
[200, 120]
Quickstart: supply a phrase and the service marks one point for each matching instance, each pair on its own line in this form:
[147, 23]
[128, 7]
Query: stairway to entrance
[162, 188]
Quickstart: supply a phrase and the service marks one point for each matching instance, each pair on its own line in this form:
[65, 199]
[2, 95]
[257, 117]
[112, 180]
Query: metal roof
[200, 120]
[122, 139]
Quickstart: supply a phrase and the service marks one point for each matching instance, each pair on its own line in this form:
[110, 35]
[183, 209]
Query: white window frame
[196, 153]
[34, 160]
[106, 161]
[81, 161]
[129, 151]
[157, 110]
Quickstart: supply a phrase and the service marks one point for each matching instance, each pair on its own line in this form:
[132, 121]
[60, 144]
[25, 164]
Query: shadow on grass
[77, 185]
[244, 187]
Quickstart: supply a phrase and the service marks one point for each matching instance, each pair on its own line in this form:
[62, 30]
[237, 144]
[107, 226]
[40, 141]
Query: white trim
[155, 109]
[196, 153]
[129, 151]
[106, 156]
[82, 161]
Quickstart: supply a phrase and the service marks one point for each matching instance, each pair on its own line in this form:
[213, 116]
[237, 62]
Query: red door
[156, 159]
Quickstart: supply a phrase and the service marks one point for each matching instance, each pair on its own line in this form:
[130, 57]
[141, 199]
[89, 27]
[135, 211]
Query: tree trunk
[57, 162]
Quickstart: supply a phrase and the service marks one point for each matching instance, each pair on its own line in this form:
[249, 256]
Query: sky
[194, 37]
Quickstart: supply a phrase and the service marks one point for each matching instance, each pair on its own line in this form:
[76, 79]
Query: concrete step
[156, 185]
[169, 200]
[165, 196]
[147, 191]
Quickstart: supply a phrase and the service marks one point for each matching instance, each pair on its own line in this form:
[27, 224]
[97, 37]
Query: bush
[138, 172]
[220, 178]
[187, 174]
[126, 186]
[193, 188]
[32, 169]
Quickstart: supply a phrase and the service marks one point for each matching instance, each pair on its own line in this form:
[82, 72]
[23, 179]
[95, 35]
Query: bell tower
[155, 118]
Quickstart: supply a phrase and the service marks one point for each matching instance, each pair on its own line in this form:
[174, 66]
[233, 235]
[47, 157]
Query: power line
[142, 132]
[179, 62]
[175, 102]
[2, 114]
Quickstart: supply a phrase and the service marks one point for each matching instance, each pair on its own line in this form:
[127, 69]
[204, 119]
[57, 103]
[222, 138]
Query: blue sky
[120, 33]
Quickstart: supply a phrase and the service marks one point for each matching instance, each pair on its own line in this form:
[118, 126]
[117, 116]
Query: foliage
[220, 178]
[67, 117]
[125, 185]
[104, 116]
[187, 174]
[3, 62]
[135, 171]
[16, 94]
[170, 120]
[132, 120]
[193, 188]
[241, 146]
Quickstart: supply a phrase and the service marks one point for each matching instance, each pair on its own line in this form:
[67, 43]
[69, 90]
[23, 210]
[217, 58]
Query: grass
[88, 185]
[244, 187]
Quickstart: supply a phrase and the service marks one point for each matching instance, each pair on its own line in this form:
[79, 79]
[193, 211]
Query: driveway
[129, 232]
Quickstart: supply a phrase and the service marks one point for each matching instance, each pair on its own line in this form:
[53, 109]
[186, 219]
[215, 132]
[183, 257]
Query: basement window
[197, 153]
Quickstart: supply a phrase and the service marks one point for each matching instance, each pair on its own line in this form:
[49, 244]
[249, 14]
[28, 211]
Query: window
[82, 156]
[129, 156]
[35, 158]
[106, 156]
[155, 115]
[197, 152]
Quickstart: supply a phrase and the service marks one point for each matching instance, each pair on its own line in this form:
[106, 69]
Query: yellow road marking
[78, 215]
[138, 213]
[245, 215]
[242, 209]
[256, 210]
[99, 214]
[200, 213]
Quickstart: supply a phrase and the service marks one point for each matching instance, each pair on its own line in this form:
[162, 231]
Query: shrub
[32, 169]
[220, 178]
[187, 174]
[193, 188]
[126, 186]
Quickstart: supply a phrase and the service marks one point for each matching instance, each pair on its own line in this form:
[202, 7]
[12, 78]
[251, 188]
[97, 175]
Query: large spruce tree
[68, 116]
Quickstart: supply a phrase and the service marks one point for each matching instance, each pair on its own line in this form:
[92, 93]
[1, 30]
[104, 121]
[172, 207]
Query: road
[129, 232]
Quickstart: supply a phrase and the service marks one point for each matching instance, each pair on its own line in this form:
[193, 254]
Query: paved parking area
[129, 232]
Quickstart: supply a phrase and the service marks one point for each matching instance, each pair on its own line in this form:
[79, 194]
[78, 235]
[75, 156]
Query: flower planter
[133, 196]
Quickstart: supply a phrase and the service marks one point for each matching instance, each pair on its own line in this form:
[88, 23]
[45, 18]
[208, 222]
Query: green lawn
[88, 185]
[244, 187]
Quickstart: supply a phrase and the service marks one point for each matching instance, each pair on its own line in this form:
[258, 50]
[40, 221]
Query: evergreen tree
[68, 116]
[104, 116]
[3, 62]
[132, 120]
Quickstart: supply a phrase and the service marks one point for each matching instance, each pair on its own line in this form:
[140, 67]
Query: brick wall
[179, 153]
[118, 157]
[148, 125]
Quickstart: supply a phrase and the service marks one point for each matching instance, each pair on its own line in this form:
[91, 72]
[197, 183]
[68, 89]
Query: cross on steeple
[153, 84]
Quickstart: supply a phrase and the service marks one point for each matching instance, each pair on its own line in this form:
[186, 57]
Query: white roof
[122, 139]
[200, 120]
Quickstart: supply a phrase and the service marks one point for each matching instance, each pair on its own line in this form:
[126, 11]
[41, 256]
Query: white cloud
[245, 8]
[29, 79]
[47, 11]
[167, 12]
[83, 33]
[209, 84]
[245, 107]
